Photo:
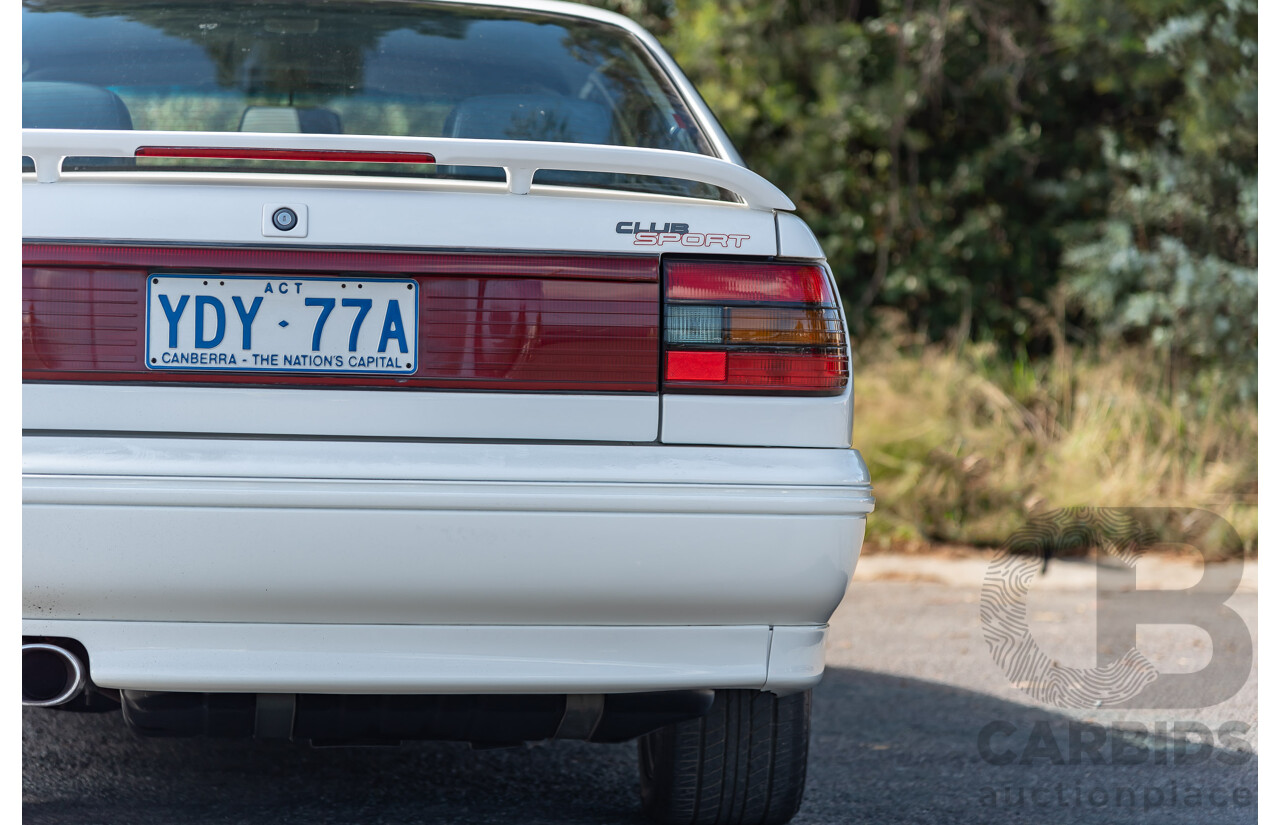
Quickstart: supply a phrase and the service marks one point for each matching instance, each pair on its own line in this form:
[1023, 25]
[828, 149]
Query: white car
[424, 370]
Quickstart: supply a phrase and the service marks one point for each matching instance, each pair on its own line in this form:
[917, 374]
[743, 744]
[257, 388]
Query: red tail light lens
[753, 328]
[749, 282]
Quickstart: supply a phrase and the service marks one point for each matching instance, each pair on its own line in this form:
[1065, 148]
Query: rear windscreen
[368, 68]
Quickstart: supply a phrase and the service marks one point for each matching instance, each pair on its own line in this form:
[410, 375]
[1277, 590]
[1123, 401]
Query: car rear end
[492, 400]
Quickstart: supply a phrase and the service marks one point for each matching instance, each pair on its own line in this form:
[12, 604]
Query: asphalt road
[896, 729]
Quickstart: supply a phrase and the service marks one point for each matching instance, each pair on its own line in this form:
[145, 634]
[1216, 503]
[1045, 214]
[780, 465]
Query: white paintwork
[275, 411]
[797, 656]
[496, 496]
[216, 208]
[369, 533]
[319, 658]
[779, 422]
[796, 239]
[69, 455]
[519, 158]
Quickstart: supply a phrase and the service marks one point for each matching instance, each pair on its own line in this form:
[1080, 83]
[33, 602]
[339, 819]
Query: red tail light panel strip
[488, 322]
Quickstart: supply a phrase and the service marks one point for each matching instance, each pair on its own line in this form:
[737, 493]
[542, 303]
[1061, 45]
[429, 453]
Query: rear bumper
[390, 659]
[363, 566]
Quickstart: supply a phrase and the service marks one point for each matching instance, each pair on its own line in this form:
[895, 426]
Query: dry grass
[965, 445]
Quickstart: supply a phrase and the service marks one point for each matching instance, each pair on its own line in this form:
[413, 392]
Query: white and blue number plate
[281, 324]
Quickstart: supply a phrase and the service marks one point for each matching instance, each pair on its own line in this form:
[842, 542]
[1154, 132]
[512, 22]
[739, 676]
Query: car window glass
[373, 68]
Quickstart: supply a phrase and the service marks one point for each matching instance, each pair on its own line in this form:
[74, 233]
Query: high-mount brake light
[753, 328]
[330, 155]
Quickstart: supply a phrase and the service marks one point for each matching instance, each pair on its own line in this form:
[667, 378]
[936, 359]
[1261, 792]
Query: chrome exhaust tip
[51, 675]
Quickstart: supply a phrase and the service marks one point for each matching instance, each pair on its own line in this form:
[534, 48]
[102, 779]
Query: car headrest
[50, 104]
[311, 120]
[529, 117]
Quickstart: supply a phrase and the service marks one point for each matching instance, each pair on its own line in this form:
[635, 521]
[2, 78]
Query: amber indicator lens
[784, 326]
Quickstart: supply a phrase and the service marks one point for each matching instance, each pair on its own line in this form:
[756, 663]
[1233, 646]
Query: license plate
[240, 323]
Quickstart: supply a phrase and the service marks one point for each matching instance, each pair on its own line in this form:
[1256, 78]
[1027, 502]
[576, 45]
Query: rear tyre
[741, 764]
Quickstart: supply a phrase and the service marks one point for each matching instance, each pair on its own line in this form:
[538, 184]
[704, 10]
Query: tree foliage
[975, 163]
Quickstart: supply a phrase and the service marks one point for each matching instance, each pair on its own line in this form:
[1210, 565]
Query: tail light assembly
[500, 322]
[752, 328]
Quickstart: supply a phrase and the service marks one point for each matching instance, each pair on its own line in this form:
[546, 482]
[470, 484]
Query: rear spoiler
[47, 148]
